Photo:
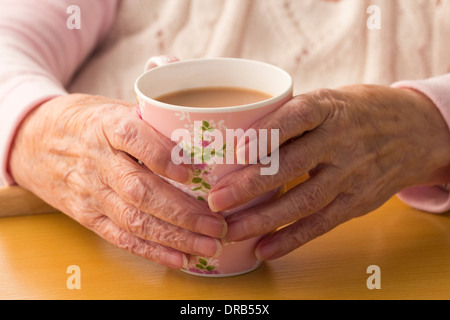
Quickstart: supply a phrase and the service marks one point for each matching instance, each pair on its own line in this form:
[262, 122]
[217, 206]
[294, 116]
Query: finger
[295, 159]
[299, 202]
[142, 189]
[299, 233]
[135, 137]
[121, 238]
[301, 114]
[148, 227]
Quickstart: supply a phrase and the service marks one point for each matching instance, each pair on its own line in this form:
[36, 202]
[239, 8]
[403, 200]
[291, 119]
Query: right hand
[78, 153]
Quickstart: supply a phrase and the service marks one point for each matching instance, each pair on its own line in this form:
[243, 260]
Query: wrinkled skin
[78, 153]
[359, 144]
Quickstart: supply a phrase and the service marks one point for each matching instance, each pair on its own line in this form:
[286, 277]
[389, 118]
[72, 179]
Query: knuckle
[312, 198]
[85, 212]
[306, 161]
[152, 150]
[252, 224]
[179, 241]
[250, 186]
[261, 224]
[179, 218]
[311, 108]
[135, 189]
[161, 232]
[172, 213]
[323, 94]
[155, 253]
[96, 223]
[296, 238]
[318, 224]
[298, 161]
[90, 220]
[134, 221]
[126, 133]
[125, 241]
[290, 165]
[308, 229]
[305, 112]
[111, 110]
[149, 250]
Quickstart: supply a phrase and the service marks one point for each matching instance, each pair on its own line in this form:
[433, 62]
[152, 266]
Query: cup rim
[156, 103]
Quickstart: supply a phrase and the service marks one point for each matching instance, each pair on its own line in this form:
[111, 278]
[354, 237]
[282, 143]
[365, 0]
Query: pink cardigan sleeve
[434, 199]
[39, 54]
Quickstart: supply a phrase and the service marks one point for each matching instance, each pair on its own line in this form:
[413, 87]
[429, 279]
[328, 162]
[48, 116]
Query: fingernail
[212, 227]
[177, 260]
[185, 262]
[191, 176]
[267, 252]
[218, 248]
[222, 199]
[207, 247]
[178, 173]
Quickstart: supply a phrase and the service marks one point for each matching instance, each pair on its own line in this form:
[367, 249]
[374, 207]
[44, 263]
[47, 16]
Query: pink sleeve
[39, 54]
[434, 199]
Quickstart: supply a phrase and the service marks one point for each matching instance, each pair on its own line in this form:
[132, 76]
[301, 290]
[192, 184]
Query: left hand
[359, 144]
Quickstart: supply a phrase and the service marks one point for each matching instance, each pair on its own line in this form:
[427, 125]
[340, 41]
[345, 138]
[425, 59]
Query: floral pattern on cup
[206, 266]
[202, 154]
[205, 152]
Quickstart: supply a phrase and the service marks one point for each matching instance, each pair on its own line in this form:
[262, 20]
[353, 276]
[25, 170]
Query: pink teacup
[197, 130]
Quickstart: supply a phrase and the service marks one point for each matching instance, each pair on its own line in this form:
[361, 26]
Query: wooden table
[411, 249]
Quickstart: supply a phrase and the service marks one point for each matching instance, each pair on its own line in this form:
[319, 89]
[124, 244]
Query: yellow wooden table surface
[411, 249]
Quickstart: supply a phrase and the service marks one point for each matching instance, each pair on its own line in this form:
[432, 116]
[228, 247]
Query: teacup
[203, 126]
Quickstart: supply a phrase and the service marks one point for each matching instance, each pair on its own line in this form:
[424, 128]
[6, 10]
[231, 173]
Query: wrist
[433, 144]
[22, 147]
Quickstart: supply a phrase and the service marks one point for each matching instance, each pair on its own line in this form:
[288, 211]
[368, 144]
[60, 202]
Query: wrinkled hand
[78, 153]
[360, 145]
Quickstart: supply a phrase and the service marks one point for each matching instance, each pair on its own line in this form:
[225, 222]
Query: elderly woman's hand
[78, 153]
[359, 144]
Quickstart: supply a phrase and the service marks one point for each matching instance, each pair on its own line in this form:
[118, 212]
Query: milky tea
[213, 97]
